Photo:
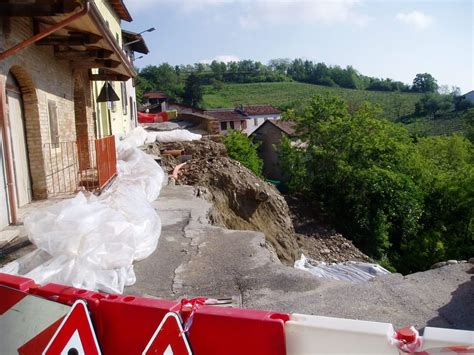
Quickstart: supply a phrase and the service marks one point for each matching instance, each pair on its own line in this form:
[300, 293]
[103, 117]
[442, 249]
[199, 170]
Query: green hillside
[285, 95]
[293, 94]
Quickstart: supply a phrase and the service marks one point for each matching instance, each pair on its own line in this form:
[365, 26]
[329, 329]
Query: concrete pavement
[194, 258]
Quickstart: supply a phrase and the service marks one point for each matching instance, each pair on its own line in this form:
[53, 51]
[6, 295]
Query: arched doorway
[22, 168]
[17, 136]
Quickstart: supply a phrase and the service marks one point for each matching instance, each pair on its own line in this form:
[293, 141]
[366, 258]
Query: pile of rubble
[316, 241]
[330, 249]
[243, 201]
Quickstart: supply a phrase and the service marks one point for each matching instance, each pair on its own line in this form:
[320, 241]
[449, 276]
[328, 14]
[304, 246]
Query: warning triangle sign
[75, 335]
[169, 338]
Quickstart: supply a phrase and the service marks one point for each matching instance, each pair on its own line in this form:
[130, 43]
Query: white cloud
[255, 13]
[415, 18]
[285, 12]
[225, 58]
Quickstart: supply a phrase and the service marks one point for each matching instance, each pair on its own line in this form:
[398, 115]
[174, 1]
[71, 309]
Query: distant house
[269, 135]
[228, 119]
[156, 102]
[244, 118]
[470, 96]
[258, 114]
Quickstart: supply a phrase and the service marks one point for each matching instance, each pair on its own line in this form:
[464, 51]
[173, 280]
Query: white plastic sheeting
[139, 137]
[349, 270]
[91, 242]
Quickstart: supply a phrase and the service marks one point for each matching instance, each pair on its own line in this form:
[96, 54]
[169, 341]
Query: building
[258, 114]
[50, 53]
[118, 117]
[269, 136]
[469, 96]
[244, 118]
[228, 119]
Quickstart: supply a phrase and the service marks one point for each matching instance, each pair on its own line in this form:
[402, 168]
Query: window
[255, 121]
[223, 126]
[53, 123]
[231, 124]
[243, 124]
[124, 97]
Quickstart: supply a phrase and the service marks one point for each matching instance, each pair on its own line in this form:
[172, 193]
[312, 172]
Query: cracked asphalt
[194, 259]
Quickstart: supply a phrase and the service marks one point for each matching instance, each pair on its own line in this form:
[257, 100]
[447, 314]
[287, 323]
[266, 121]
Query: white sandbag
[349, 270]
[178, 135]
[91, 242]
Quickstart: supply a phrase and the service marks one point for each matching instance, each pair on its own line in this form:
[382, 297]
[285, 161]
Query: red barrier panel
[125, 324]
[152, 117]
[16, 282]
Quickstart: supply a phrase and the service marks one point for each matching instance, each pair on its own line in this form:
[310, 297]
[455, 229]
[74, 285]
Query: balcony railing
[86, 164]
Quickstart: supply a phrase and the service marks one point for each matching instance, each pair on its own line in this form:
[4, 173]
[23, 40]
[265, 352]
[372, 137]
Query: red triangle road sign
[169, 338]
[75, 335]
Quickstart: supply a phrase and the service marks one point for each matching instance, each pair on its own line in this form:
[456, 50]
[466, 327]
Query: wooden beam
[95, 63]
[75, 39]
[72, 54]
[108, 77]
[39, 8]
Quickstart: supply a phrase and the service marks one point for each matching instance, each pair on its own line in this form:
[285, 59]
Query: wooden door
[18, 144]
[4, 208]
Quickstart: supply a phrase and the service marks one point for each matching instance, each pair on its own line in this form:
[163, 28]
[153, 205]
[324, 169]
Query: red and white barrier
[120, 324]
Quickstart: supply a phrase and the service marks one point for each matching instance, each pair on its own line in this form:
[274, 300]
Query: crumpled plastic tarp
[91, 242]
[348, 271]
[139, 137]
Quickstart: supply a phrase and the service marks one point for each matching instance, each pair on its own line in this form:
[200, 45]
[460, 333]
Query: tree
[424, 83]
[430, 104]
[405, 201]
[161, 78]
[242, 149]
[192, 91]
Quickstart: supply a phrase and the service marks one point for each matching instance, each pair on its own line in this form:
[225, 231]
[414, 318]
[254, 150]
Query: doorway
[17, 135]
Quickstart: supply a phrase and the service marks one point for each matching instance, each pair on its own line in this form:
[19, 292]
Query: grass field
[441, 126]
[296, 95]
[293, 94]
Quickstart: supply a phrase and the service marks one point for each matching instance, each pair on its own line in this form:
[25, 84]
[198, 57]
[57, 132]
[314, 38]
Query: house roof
[255, 110]
[224, 115]
[287, 127]
[155, 95]
[120, 8]
[136, 42]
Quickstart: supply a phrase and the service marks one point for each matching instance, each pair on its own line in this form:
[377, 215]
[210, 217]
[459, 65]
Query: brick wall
[210, 124]
[43, 78]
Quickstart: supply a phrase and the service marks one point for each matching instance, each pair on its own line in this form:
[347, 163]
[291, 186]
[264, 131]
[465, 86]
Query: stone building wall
[43, 79]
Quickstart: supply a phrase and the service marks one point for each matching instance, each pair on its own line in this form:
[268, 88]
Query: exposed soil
[315, 240]
[242, 200]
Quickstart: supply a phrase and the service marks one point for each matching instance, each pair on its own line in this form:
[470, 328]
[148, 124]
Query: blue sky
[395, 39]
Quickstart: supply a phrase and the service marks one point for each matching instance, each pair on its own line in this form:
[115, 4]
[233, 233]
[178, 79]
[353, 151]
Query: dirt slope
[243, 201]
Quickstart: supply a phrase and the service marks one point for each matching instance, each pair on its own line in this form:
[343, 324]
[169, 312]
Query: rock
[439, 264]
[452, 262]
[325, 251]
[471, 260]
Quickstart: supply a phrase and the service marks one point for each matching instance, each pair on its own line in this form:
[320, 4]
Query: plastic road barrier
[39, 320]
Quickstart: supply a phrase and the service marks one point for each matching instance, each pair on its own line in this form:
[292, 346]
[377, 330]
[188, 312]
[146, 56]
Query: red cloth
[152, 117]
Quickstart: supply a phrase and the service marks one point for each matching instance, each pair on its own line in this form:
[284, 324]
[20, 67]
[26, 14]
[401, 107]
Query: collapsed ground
[195, 258]
[243, 201]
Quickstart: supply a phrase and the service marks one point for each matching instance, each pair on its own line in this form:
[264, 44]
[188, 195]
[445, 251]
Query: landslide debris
[241, 200]
[316, 241]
